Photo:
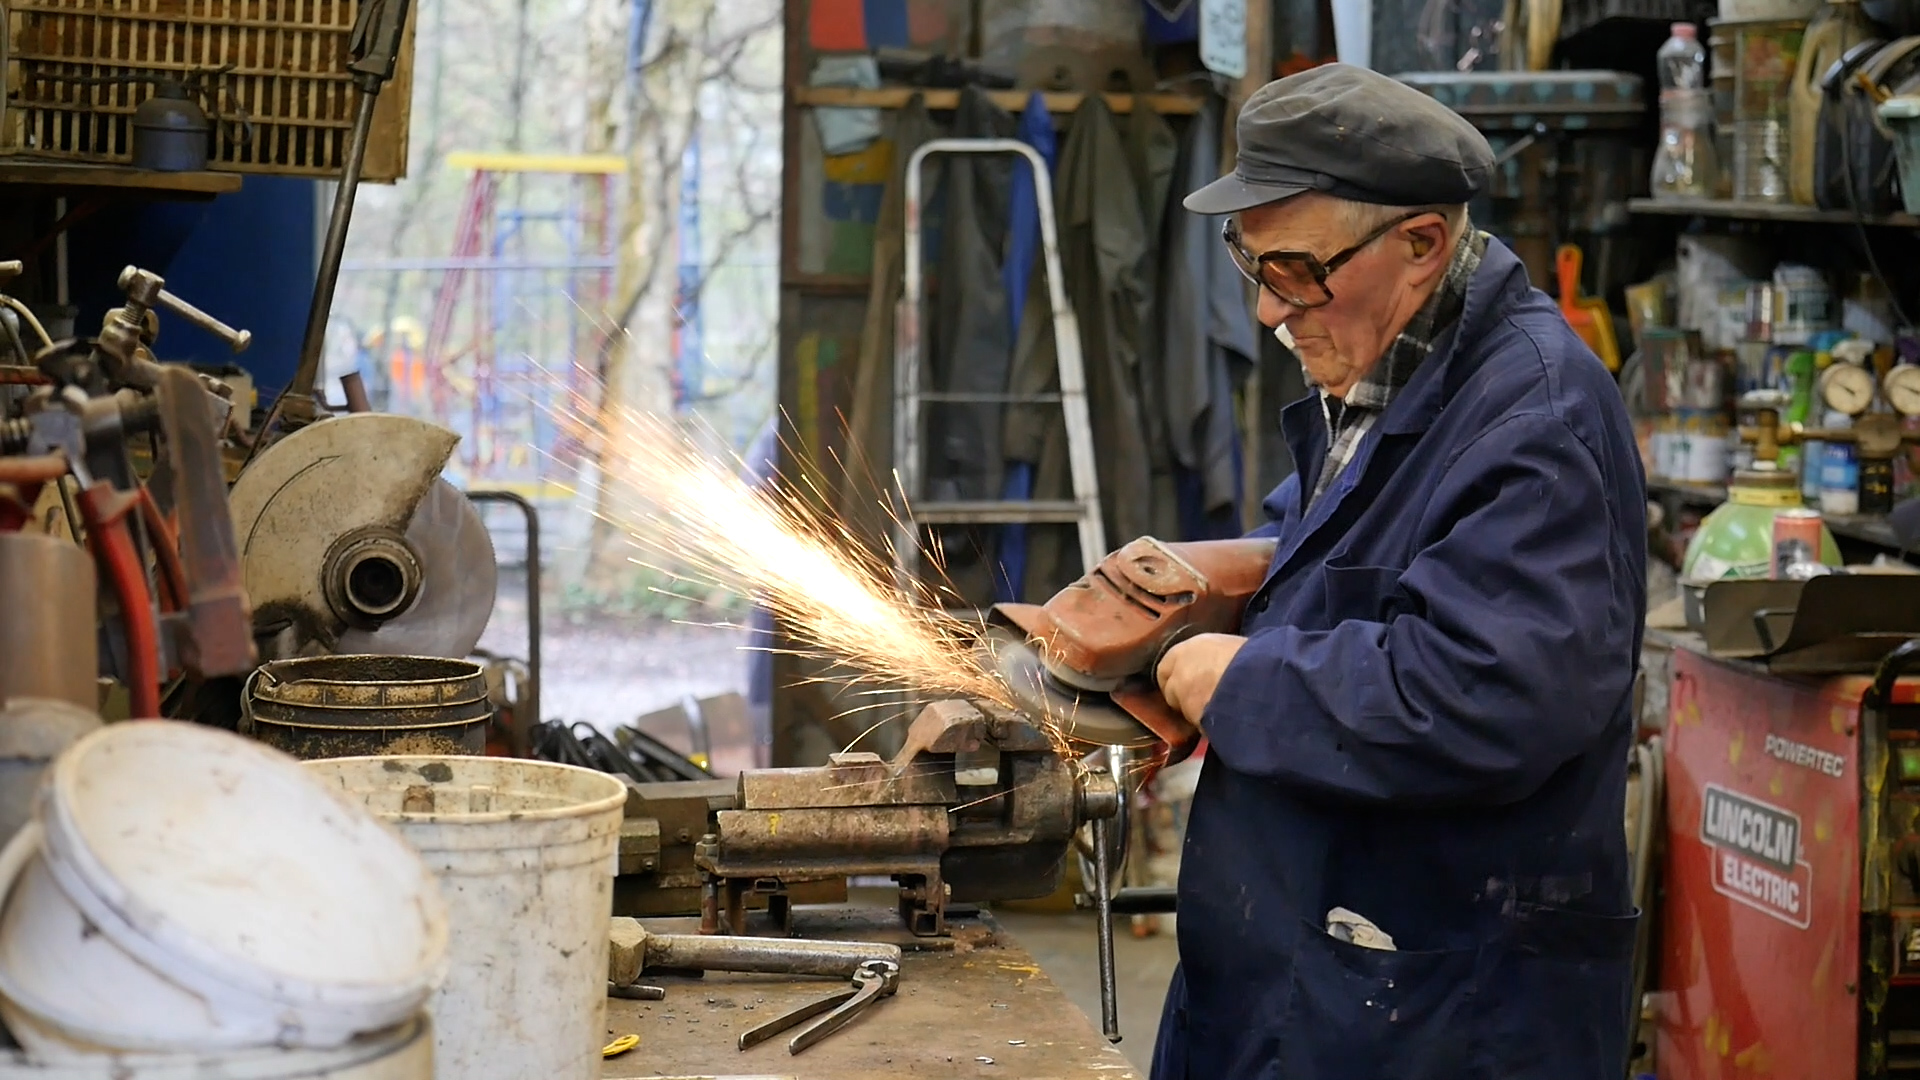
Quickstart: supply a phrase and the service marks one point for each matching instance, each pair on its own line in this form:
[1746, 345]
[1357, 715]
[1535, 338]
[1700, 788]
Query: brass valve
[1877, 435]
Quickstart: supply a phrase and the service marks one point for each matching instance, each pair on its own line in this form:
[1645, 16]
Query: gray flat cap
[1350, 132]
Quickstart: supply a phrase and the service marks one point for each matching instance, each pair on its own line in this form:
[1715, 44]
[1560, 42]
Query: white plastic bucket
[526, 853]
[187, 890]
[404, 1052]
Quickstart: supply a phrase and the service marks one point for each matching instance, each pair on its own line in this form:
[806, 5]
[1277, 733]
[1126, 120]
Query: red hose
[166, 544]
[105, 511]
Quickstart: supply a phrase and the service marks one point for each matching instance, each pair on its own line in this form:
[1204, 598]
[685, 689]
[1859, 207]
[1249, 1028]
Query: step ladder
[910, 398]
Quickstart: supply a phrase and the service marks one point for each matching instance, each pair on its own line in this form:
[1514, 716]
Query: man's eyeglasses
[1299, 277]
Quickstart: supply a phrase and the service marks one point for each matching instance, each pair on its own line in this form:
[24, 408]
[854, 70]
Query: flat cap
[1350, 132]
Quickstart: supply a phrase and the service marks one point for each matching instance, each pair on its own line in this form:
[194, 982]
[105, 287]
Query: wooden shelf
[1873, 530]
[896, 97]
[16, 173]
[1689, 492]
[1763, 211]
[1868, 528]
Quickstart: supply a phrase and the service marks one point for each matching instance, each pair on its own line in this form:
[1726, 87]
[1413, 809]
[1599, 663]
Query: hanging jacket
[1207, 346]
[1105, 255]
[1428, 726]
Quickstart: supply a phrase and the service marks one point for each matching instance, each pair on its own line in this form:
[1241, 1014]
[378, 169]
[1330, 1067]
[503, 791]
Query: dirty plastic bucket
[1901, 117]
[526, 853]
[183, 889]
[404, 1052]
[353, 706]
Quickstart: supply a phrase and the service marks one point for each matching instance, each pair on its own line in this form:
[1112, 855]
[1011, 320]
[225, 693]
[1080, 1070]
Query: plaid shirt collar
[1348, 421]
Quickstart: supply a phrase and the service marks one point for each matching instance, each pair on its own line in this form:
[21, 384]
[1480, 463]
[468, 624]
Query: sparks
[689, 514]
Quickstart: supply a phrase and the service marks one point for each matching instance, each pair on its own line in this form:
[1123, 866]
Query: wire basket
[271, 75]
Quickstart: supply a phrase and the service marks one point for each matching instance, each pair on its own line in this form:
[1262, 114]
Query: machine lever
[149, 290]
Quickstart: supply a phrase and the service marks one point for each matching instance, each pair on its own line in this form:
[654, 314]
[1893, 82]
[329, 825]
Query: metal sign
[1223, 37]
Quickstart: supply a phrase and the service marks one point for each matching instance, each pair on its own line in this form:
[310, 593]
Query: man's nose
[1272, 310]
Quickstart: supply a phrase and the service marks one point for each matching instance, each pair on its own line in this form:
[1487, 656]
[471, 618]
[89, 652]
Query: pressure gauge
[1847, 388]
[1902, 387]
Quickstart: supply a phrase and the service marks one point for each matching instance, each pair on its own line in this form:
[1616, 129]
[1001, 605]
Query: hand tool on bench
[874, 980]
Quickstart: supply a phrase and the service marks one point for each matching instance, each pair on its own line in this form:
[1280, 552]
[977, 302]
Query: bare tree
[691, 45]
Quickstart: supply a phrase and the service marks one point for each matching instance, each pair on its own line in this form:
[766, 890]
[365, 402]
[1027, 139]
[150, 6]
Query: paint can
[1665, 434]
[1802, 304]
[1796, 539]
[1707, 449]
[1706, 387]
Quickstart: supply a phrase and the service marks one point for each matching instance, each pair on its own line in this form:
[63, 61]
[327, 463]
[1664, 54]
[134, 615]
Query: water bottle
[1682, 61]
[1684, 163]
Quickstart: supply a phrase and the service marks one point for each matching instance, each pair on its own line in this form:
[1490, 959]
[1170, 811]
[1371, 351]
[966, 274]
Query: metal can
[1707, 450]
[1796, 540]
[1760, 312]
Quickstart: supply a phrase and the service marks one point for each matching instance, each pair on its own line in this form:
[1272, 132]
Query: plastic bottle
[1684, 164]
[1682, 61]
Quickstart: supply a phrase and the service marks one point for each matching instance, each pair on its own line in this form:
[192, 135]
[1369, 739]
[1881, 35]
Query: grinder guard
[1089, 653]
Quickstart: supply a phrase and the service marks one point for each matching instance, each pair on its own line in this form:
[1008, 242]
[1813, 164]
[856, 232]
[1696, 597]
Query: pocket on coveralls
[1374, 1014]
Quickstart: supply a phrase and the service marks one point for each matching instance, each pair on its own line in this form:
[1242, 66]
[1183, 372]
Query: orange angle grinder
[1085, 660]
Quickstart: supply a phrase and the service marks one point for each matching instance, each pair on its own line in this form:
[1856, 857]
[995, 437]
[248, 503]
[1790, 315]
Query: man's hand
[1189, 672]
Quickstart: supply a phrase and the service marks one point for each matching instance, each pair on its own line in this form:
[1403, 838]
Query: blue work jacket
[1429, 726]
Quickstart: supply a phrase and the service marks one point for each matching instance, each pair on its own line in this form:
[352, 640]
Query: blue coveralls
[1429, 725]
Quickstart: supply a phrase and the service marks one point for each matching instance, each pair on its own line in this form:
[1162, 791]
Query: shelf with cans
[1774, 375]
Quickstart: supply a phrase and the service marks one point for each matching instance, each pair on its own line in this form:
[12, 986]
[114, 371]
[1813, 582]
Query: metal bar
[770, 956]
[533, 607]
[1103, 910]
[312, 347]
[474, 263]
[990, 399]
[996, 512]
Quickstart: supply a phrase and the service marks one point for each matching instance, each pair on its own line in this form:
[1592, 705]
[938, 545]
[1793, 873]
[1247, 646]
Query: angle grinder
[1085, 660]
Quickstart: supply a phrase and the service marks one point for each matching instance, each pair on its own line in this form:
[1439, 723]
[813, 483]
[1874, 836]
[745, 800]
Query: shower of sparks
[691, 515]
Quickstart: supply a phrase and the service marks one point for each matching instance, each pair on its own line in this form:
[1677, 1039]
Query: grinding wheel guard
[1106, 633]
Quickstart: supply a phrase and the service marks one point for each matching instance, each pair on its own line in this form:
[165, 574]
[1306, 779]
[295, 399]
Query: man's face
[1375, 292]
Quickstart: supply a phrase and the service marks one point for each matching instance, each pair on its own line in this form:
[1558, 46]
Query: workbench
[974, 1004]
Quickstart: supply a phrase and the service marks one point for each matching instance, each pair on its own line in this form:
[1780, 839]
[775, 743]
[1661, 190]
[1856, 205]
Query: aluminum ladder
[909, 398]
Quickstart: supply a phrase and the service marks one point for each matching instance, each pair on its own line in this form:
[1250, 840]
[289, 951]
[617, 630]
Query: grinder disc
[458, 582]
[1089, 717]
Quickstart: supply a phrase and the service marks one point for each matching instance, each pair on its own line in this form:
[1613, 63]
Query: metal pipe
[306, 377]
[533, 607]
[355, 389]
[1103, 910]
[771, 956]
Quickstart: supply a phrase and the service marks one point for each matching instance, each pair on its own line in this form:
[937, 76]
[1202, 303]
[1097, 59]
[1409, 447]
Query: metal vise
[977, 806]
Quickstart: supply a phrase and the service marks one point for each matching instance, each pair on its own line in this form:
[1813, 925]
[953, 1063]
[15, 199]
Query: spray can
[1796, 539]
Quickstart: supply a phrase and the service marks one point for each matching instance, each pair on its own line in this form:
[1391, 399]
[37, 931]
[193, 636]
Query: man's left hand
[1190, 671]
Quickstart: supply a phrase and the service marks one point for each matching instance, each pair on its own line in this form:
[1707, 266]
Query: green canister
[1736, 539]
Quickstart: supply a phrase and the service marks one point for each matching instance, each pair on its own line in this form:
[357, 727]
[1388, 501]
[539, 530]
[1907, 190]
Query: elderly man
[1406, 857]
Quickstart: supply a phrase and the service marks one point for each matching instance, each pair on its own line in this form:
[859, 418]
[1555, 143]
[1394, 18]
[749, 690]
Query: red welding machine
[1790, 929]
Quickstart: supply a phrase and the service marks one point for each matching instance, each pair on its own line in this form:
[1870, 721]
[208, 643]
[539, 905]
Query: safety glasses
[1298, 277]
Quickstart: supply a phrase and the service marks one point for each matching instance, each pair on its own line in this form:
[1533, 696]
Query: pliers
[873, 980]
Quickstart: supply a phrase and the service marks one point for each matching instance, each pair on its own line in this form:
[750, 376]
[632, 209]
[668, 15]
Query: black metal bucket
[360, 706]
